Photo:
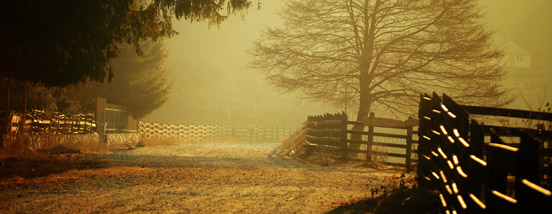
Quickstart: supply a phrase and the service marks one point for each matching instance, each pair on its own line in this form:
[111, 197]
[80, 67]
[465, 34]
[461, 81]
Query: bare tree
[381, 53]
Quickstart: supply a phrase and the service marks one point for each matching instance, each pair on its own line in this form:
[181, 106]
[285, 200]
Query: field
[217, 177]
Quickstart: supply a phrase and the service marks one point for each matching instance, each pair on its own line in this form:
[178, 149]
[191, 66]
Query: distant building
[515, 56]
[529, 78]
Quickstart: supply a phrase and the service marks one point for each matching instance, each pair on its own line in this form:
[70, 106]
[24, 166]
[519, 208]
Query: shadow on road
[397, 202]
[356, 207]
[39, 166]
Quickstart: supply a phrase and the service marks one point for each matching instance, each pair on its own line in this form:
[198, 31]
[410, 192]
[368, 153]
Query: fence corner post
[370, 142]
[344, 142]
[408, 160]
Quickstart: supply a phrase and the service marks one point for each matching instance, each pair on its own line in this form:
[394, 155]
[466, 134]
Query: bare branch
[381, 53]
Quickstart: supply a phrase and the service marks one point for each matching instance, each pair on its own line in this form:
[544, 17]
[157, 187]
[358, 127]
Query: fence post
[252, 133]
[408, 160]
[344, 142]
[275, 135]
[370, 139]
[233, 131]
[100, 114]
[264, 133]
[72, 126]
[221, 131]
[80, 128]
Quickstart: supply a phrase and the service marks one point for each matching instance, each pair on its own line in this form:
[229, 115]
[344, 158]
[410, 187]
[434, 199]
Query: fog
[212, 82]
[527, 22]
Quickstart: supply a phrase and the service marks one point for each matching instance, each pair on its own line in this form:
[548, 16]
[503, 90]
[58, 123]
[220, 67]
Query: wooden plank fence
[207, 132]
[257, 133]
[475, 176]
[180, 131]
[335, 135]
[38, 123]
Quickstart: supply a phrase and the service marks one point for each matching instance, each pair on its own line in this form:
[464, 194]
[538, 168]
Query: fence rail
[476, 176]
[334, 135]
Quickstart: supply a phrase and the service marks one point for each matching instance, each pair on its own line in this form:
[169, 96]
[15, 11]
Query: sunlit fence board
[37, 123]
[475, 176]
[197, 132]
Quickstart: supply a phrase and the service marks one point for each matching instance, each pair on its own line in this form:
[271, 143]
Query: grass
[23, 144]
[21, 156]
[398, 196]
[39, 165]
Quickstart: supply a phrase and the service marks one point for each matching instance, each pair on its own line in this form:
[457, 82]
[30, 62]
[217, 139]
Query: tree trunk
[8, 110]
[365, 101]
[364, 104]
[7, 119]
[24, 114]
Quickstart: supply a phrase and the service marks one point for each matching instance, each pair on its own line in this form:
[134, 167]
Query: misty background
[212, 82]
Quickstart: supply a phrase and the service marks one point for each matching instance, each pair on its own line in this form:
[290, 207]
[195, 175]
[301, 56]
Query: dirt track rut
[193, 178]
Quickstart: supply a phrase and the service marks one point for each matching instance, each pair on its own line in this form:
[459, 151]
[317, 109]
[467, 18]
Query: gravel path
[193, 178]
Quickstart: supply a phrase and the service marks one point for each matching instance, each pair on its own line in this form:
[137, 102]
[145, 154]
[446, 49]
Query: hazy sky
[528, 22]
[212, 81]
[213, 84]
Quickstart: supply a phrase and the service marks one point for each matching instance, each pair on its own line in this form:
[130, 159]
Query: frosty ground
[218, 177]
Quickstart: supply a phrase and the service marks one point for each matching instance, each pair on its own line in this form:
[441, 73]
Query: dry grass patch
[23, 155]
[23, 144]
[38, 164]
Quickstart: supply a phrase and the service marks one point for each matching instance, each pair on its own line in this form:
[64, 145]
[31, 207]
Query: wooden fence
[257, 133]
[180, 131]
[334, 134]
[475, 176]
[108, 118]
[37, 122]
[207, 132]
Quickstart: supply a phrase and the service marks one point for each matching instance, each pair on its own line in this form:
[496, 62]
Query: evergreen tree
[140, 83]
[62, 42]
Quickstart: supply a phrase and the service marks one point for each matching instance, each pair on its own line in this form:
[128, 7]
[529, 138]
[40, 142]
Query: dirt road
[193, 178]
